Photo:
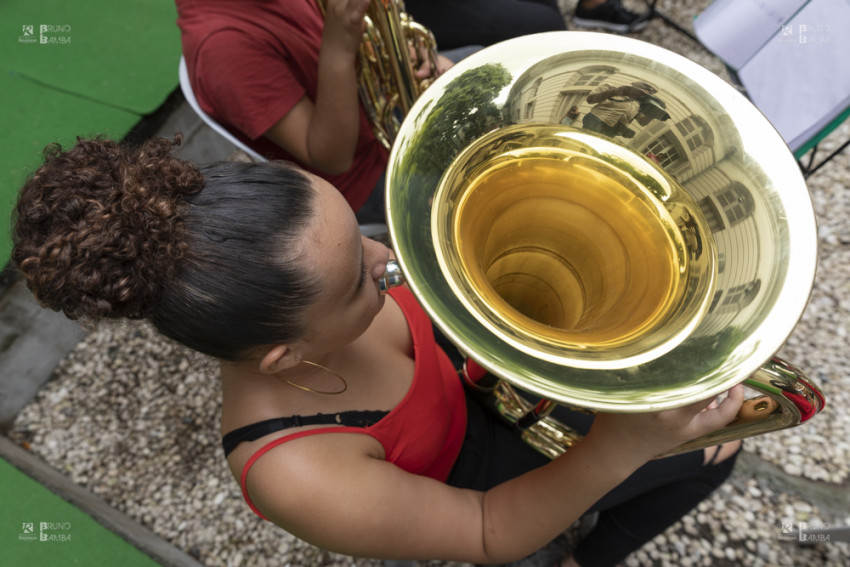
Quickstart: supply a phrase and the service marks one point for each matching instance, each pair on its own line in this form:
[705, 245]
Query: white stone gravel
[134, 419]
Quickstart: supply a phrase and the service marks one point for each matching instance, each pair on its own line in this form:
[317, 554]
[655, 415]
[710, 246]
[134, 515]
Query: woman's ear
[279, 357]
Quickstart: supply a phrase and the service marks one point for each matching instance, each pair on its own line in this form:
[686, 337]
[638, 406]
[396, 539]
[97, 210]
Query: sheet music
[800, 79]
[735, 30]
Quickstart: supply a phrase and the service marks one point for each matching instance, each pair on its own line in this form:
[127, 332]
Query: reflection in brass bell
[605, 224]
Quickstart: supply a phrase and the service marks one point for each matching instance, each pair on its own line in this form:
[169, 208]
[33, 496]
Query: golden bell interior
[556, 240]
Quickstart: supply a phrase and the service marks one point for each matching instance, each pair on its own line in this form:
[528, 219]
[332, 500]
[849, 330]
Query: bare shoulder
[288, 476]
[335, 491]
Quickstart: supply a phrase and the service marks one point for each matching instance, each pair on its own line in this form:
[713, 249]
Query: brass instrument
[652, 252]
[394, 46]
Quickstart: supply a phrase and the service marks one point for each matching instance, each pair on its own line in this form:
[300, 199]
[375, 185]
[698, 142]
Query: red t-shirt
[250, 62]
[424, 433]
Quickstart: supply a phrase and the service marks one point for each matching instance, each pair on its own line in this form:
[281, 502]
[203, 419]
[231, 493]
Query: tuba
[611, 228]
[394, 46]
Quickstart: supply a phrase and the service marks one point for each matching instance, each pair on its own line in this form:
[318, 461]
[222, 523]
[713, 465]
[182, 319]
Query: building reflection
[665, 119]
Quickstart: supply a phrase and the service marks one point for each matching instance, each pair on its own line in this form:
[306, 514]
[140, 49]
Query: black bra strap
[262, 428]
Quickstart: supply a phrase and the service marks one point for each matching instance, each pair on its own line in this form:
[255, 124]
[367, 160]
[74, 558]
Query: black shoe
[610, 15]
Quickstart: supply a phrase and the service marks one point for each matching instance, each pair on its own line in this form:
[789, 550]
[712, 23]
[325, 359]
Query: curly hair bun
[98, 227]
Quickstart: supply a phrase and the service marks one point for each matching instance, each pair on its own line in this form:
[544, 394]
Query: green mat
[38, 528]
[72, 69]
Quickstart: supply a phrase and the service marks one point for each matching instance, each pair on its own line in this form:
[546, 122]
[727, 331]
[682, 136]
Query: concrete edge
[33, 341]
[832, 498]
[134, 533]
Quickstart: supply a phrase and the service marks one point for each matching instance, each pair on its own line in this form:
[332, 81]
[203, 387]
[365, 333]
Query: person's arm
[604, 94]
[337, 492]
[323, 133]
[601, 93]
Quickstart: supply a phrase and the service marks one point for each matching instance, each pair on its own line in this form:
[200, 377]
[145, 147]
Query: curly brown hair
[99, 227]
[208, 254]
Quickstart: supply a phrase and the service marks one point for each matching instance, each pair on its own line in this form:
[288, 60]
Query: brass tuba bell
[607, 225]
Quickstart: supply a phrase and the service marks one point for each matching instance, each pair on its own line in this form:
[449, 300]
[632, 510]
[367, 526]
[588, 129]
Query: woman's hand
[344, 24]
[442, 64]
[644, 436]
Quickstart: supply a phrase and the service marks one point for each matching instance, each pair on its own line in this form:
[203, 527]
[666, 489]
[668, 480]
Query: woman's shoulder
[292, 452]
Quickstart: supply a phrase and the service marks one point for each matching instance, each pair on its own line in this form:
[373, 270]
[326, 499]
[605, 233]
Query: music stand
[808, 168]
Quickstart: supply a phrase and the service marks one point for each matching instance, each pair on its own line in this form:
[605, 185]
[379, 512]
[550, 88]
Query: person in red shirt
[282, 78]
[344, 421]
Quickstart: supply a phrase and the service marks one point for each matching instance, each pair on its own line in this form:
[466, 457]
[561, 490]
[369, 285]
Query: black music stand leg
[808, 171]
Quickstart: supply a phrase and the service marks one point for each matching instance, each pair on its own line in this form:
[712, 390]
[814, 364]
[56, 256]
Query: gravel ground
[134, 419]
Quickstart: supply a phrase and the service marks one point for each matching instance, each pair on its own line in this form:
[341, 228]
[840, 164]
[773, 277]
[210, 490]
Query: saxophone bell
[394, 47]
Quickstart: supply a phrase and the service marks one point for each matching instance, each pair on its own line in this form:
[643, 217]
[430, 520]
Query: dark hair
[208, 255]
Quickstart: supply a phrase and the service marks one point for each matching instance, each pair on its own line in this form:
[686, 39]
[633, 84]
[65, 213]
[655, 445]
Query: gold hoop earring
[306, 389]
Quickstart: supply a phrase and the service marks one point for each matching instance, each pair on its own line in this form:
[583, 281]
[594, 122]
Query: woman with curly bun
[344, 422]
